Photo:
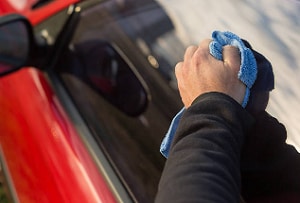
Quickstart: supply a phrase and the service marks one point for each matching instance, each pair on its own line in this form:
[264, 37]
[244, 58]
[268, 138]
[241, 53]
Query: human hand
[201, 73]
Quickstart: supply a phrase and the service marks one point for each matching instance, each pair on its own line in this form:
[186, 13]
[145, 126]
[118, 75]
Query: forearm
[203, 164]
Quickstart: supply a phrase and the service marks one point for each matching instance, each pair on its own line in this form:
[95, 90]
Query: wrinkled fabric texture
[204, 160]
[167, 141]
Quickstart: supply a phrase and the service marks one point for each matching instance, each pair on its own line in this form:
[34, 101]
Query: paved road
[272, 27]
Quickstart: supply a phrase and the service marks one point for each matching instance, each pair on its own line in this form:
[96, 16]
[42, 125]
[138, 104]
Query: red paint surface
[46, 159]
[39, 14]
[45, 156]
[7, 6]
[43, 13]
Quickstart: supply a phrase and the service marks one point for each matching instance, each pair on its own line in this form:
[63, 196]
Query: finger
[178, 65]
[205, 43]
[179, 77]
[231, 57]
[203, 50]
[178, 68]
[190, 52]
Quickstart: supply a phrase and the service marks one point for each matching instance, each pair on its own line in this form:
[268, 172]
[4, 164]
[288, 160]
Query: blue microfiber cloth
[247, 74]
[167, 141]
[248, 68]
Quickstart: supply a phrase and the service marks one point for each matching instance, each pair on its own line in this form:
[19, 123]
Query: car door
[125, 101]
[42, 156]
[106, 87]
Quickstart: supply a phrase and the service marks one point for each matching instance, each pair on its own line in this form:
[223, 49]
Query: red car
[84, 119]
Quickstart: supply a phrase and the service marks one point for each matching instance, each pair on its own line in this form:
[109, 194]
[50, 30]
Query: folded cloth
[248, 68]
[167, 141]
[247, 74]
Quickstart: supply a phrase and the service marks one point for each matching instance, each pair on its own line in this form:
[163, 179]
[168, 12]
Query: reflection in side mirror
[14, 43]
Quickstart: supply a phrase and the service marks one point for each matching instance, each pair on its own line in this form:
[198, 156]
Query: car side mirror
[16, 38]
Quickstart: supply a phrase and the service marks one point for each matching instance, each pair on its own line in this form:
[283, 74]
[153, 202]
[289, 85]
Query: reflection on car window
[93, 71]
[100, 65]
[154, 33]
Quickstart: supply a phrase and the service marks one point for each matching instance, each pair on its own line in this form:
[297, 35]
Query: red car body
[44, 157]
[9, 6]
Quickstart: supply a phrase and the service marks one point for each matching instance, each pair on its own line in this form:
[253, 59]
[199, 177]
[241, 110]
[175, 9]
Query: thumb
[231, 57]
[232, 61]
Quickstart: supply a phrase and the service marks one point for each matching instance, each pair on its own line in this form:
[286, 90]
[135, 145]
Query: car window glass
[131, 142]
[103, 67]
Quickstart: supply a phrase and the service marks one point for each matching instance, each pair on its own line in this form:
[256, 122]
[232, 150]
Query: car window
[109, 74]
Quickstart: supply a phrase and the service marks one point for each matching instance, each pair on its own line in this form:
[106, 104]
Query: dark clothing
[204, 160]
[270, 168]
[219, 148]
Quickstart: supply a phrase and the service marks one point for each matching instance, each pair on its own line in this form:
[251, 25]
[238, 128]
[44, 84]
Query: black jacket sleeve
[204, 160]
[269, 166]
